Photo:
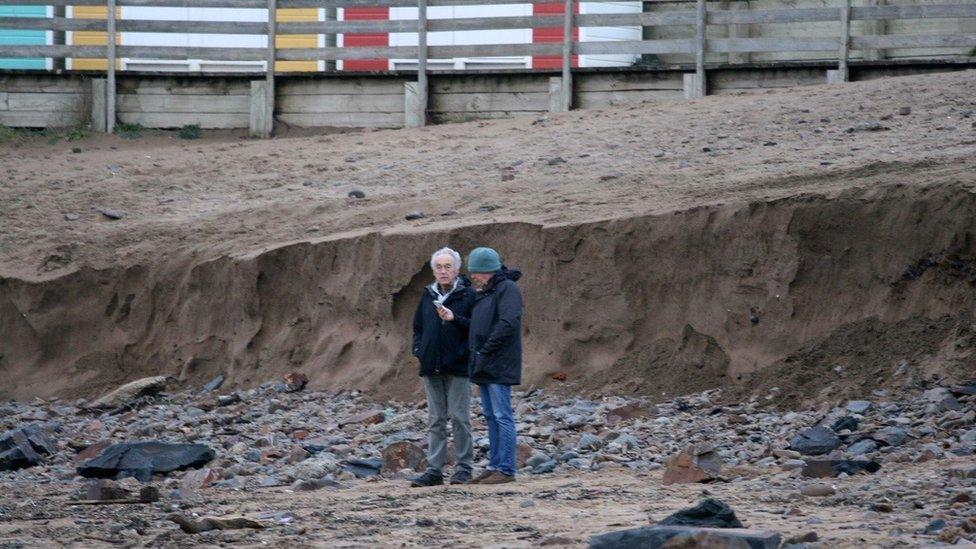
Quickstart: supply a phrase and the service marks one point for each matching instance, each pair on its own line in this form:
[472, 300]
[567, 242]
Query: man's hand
[445, 314]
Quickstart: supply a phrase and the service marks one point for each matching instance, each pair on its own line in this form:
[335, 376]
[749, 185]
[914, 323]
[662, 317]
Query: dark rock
[204, 524]
[935, 526]
[23, 447]
[143, 459]
[227, 400]
[710, 513]
[858, 406]
[905, 111]
[403, 455]
[105, 490]
[891, 436]
[815, 441]
[826, 468]
[655, 537]
[566, 456]
[357, 193]
[214, 384]
[555, 161]
[696, 463]
[968, 389]
[363, 468]
[544, 468]
[863, 446]
[415, 215]
[848, 423]
[315, 484]
[92, 451]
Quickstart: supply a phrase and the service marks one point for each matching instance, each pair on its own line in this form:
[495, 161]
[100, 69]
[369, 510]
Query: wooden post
[845, 43]
[258, 123]
[567, 82]
[98, 115]
[57, 39]
[699, 84]
[269, 98]
[110, 72]
[330, 39]
[420, 117]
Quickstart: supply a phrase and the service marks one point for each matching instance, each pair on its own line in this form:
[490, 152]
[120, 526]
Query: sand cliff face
[673, 302]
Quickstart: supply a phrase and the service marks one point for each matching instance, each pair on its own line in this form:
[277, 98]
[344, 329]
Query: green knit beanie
[484, 260]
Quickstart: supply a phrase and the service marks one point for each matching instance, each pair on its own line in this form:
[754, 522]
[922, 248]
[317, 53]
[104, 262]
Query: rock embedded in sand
[144, 459]
[684, 536]
[696, 463]
[146, 386]
[357, 193]
[412, 216]
[818, 490]
[709, 513]
[825, 468]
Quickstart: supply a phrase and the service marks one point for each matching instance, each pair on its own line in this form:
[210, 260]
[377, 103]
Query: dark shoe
[461, 476]
[484, 474]
[497, 477]
[427, 479]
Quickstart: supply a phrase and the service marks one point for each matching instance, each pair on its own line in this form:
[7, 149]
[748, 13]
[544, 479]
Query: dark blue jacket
[442, 346]
[496, 331]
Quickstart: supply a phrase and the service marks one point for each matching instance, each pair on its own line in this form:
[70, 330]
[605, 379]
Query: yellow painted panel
[90, 38]
[297, 40]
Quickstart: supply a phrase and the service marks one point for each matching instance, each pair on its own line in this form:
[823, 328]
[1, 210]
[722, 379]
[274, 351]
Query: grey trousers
[448, 397]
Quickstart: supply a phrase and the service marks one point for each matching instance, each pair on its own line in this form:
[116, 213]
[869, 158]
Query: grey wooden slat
[796, 15]
[946, 11]
[53, 51]
[892, 41]
[740, 45]
[635, 47]
[52, 23]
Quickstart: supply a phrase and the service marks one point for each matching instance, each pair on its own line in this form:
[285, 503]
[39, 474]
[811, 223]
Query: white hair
[446, 251]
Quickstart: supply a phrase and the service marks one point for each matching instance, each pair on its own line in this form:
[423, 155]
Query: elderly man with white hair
[440, 343]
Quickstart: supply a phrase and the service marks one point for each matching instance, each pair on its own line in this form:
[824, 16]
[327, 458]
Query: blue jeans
[496, 405]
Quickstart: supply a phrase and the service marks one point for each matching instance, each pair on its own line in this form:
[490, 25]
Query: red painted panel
[371, 39]
[549, 35]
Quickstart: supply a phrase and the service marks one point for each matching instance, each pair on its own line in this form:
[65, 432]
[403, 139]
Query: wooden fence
[696, 84]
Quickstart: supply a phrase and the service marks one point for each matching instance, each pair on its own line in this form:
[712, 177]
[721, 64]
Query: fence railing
[699, 45]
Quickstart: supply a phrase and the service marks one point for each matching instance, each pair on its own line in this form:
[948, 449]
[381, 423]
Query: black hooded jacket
[441, 346]
[495, 334]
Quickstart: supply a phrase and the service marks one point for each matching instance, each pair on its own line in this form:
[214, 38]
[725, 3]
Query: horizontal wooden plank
[645, 81]
[53, 51]
[43, 119]
[340, 86]
[410, 52]
[892, 41]
[725, 45]
[343, 120]
[791, 15]
[203, 104]
[941, 11]
[489, 84]
[52, 23]
[20, 101]
[213, 54]
[466, 116]
[601, 99]
[218, 87]
[200, 27]
[178, 119]
[634, 47]
[485, 102]
[340, 103]
[43, 83]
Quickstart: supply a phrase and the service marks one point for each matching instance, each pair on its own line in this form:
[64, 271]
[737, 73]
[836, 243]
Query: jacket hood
[504, 274]
[463, 282]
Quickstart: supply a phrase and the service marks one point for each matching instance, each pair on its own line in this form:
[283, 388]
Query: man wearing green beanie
[495, 363]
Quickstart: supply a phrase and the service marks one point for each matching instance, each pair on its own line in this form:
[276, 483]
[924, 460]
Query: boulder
[696, 463]
[23, 447]
[815, 441]
[144, 459]
[891, 436]
[846, 423]
[858, 406]
[863, 446]
[294, 382]
[710, 513]
[826, 468]
[403, 455]
[363, 468]
[146, 386]
[654, 537]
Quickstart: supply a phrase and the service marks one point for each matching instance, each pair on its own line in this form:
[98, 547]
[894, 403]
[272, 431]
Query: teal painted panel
[10, 37]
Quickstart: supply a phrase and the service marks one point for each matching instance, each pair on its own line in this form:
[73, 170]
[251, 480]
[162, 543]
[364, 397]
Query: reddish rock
[92, 451]
[696, 463]
[105, 490]
[625, 413]
[558, 376]
[197, 480]
[295, 381]
[366, 418]
[522, 454]
[300, 434]
[403, 455]
[298, 454]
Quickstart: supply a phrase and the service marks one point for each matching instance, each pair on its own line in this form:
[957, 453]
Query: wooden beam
[53, 51]
[270, 69]
[845, 42]
[110, 74]
[701, 20]
[567, 82]
[98, 115]
[892, 41]
[423, 97]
